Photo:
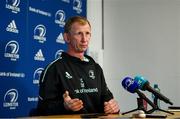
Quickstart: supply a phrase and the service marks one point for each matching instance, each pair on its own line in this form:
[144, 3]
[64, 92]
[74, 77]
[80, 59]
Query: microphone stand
[140, 106]
[157, 107]
[140, 103]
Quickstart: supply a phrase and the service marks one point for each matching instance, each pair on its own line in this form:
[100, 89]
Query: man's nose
[84, 37]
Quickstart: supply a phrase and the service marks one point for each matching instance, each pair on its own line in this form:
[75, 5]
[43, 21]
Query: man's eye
[79, 33]
[87, 33]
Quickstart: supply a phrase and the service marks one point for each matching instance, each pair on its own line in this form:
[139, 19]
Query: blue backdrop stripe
[31, 37]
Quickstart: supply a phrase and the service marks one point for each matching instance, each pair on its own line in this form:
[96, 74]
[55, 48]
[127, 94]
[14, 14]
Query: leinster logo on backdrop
[11, 50]
[13, 5]
[10, 99]
[77, 6]
[60, 18]
[58, 54]
[39, 33]
[36, 76]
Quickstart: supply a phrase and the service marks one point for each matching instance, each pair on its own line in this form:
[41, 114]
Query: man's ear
[66, 37]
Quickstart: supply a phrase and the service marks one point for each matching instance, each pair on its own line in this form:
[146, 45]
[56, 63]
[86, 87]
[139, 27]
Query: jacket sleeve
[105, 92]
[50, 94]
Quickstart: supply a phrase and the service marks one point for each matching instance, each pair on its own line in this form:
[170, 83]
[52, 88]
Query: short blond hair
[71, 20]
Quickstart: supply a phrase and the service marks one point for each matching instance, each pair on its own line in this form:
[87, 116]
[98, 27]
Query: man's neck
[79, 55]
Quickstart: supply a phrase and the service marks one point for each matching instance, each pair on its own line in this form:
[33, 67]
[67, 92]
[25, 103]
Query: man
[74, 83]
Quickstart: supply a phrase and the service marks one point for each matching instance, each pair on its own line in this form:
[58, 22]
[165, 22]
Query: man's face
[79, 37]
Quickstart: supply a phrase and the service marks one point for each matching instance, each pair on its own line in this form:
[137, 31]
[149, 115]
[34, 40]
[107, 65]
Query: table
[101, 116]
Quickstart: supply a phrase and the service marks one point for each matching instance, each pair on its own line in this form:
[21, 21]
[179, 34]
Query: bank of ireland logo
[10, 99]
[39, 33]
[11, 50]
[60, 18]
[58, 54]
[13, 5]
[60, 39]
[77, 6]
[36, 75]
[12, 27]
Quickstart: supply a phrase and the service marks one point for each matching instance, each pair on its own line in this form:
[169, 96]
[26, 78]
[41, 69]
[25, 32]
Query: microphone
[143, 84]
[132, 86]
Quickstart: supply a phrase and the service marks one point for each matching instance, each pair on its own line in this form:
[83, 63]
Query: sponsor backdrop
[31, 37]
